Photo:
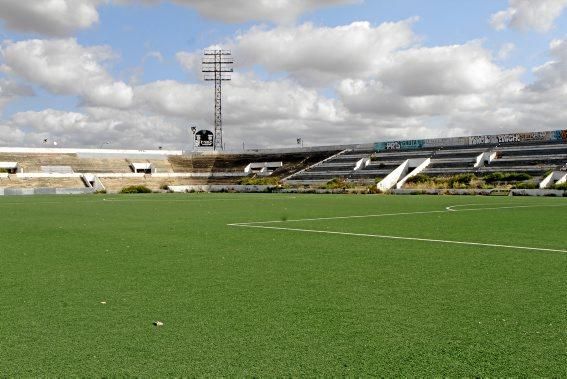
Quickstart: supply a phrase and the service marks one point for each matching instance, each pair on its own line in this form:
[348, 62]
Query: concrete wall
[44, 191]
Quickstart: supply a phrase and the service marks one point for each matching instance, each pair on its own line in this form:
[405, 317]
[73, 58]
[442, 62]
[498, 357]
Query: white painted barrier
[420, 167]
[484, 158]
[94, 182]
[556, 177]
[394, 177]
[364, 162]
[262, 167]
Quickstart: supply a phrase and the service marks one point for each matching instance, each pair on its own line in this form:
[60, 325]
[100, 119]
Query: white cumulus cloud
[234, 11]
[62, 66]
[529, 14]
[315, 55]
[50, 17]
[10, 90]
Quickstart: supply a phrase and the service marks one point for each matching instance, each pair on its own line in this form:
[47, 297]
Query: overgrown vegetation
[471, 181]
[419, 178]
[260, 181]
[562, 186]
[136, 189]
[460, 181]
[526, 185]
[506, 177]
[338, 183]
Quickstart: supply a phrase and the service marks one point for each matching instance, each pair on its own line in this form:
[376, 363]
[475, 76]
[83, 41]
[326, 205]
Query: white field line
[261, 225]
[451, 208]
[446, 210]
[403, 238]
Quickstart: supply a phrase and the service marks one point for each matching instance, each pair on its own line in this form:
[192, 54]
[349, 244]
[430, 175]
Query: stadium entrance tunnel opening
[142, 168]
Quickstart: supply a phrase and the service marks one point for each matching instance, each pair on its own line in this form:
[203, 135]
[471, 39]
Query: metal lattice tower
[217, 66]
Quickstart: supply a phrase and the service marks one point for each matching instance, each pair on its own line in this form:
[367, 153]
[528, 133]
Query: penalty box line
[401, 238]
[262, 225]
[446, 210]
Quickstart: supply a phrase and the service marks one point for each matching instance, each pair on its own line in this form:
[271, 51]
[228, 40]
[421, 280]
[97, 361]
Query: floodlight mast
[217, 66]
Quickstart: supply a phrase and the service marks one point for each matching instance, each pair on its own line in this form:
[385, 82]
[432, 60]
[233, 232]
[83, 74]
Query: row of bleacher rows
[534, 159]
[53, 170]
[283, 164]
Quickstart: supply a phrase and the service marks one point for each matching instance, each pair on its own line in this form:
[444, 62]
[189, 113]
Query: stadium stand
[534, 157]
[114, 171]
[543, 155]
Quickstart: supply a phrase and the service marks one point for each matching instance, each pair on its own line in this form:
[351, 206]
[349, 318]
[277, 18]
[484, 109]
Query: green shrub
[562, 186]
[461, 180]
[419, 178]
[518, 177]
[378, 180]
[497, 177]
[338, 183]
[373, 189]
[136, 189]
[526, 185]
[260, 181]
[494, 177]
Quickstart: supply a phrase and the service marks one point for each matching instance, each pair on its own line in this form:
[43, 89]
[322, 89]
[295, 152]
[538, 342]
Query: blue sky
[458, 67]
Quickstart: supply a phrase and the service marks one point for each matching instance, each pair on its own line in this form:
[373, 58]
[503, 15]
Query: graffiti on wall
[558, 135]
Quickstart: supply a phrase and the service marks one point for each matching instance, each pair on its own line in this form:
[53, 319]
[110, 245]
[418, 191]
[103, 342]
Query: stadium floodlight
[217, 67]
[104, 143]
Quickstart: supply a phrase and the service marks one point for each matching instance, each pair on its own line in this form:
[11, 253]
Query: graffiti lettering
[479, 140]
[393, 146]
[506, 138]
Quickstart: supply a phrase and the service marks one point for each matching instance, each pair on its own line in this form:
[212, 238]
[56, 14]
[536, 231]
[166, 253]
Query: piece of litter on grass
[103, 302]
[158, 323]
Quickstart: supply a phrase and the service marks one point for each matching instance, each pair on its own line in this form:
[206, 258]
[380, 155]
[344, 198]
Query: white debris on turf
[158, 323]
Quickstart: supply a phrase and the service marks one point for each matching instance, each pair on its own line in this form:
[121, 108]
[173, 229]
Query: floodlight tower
[217, 66]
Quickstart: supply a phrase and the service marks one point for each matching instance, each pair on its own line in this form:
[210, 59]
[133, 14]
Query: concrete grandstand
[542, 155]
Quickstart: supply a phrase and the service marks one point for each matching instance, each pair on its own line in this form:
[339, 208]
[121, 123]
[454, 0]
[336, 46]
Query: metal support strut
[217, 67]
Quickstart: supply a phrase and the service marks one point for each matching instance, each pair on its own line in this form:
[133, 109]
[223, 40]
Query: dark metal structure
[217, 66]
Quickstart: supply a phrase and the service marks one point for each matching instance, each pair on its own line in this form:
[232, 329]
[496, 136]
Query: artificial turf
[238, 301]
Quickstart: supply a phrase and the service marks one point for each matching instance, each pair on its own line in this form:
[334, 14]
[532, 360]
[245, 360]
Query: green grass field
[477, 290]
